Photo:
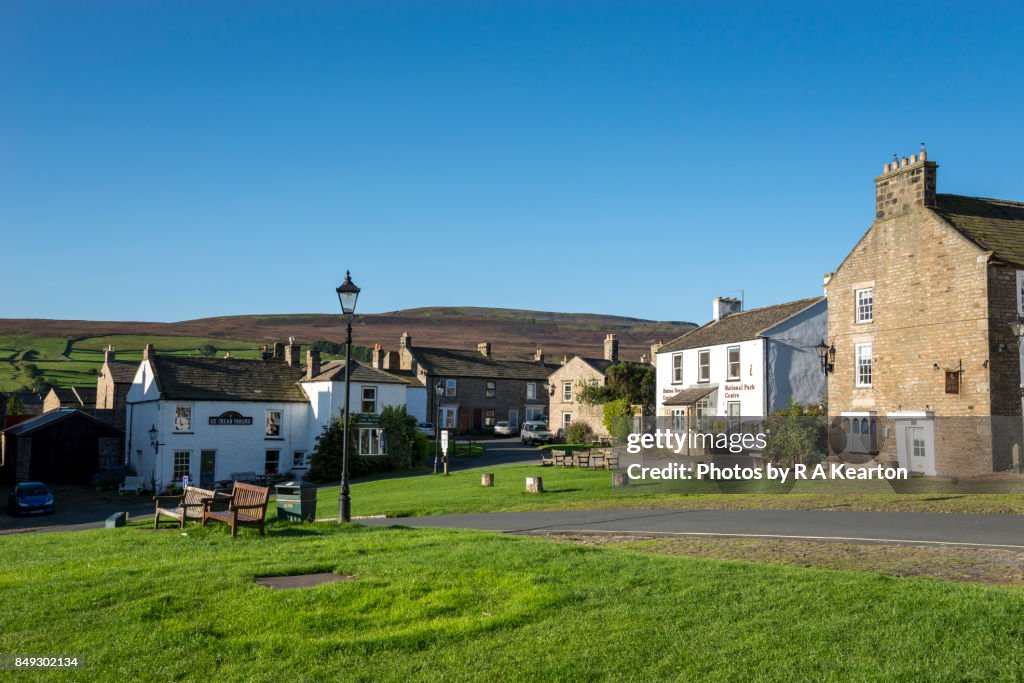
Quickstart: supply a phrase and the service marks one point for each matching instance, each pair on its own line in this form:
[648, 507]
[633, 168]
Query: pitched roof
[738, 326]
[685, 397]
[84, 396]
[334, 371]
[53, 417]
[122, 372]
[458, 363]
[993, 224]
[599, 364]
[226, 379]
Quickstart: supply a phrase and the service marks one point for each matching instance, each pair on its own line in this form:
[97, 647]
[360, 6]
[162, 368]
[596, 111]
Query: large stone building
[477, 389]
[565, 406]
[927, 371]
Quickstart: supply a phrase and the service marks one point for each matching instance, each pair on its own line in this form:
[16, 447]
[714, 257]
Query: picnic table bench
[247, 506]
[191, 504]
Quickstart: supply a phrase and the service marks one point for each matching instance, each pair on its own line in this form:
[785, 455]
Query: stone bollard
[1016, 458]
[487, 479]
[116, 520]
[619, 479]
[534, 485]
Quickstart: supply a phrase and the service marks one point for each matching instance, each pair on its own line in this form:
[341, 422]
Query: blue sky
[175, 160]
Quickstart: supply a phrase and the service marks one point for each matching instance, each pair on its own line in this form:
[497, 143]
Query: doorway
[207, 468]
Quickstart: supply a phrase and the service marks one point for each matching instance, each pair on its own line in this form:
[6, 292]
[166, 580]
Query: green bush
[618, 419]
[404, 447]
[578, 432]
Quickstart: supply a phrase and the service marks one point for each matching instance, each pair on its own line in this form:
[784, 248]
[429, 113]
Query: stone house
[112, 384]
[564, 407]
[742, 365]
[477, 389]
[927, 371]
[72, 397]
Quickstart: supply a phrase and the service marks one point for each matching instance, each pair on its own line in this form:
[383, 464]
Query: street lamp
[1018, 331]
[439, 392]
[348, 293]
[827, 356]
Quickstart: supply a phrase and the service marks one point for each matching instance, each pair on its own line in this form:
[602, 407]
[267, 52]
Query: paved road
[918, 528]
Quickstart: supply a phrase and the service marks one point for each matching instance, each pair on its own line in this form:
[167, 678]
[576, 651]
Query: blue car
[30, 498]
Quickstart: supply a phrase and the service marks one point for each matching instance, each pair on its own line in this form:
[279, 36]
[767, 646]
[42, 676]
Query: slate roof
[122, 372]
[227, 379]
[83, 396]
[599, 364]
[334, 371]
[53, 417]
[738, 326]
[458, 363]
[993, 224]
[685, 397]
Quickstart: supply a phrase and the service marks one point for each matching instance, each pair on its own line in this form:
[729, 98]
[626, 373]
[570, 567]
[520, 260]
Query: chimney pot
[377, 356]
[278, 351]
[538, 355]
[108, 354]
[484, 348]
[903, 162]
[148, 353]
[405, 342]
[611, 348]
[292, 353]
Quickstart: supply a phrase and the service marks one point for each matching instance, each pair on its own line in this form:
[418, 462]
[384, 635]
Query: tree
[208, 350]
[578, 432]
[796, 434]
[636, 383]
[618, 419]
[15, 407]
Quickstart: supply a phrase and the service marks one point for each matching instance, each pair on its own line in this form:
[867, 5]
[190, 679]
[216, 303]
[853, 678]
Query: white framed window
[677, 368]
[734, 362]
[183, 417]
[678, 419]
[531, 391]
[272, 462]
[732, 409]
[300, 460]
[567, 392]
[704, 365]
[449, 417]
[865, 304]
[371, 441]
[491, 389]
[369, 401]
[703, 414]
[273, 430]
[863, 368]
[449, 387]
[566, 420]
[182, 465]
[532, 413]
[489, 417]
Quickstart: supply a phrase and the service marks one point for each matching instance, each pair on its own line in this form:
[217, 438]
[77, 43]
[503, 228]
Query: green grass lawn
[572, 488]
[136, 604]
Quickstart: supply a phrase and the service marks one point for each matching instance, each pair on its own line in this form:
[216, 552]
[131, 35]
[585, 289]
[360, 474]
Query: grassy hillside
[70, 352]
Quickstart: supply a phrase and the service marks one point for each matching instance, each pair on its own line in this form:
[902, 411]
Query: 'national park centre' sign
[230, 418]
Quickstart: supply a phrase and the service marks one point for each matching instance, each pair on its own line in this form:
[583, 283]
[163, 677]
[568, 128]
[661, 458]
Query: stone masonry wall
[575, 371]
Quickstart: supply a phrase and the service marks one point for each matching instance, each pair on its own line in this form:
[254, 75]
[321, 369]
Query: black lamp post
[1018, 331]
[827, 357]
[348, 293]
[439, 392]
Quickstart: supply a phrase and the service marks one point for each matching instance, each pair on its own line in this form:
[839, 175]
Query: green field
[76, 362]
[137, 604]
[572, 488]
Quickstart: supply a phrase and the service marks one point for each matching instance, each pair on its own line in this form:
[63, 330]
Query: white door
[917, 450]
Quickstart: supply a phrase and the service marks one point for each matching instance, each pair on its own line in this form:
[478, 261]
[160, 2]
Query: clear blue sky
[174, 160]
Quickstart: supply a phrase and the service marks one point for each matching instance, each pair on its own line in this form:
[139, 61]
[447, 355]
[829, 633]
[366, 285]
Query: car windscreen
[32, 490]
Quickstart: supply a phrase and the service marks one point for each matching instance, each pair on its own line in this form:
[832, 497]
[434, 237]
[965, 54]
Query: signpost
[444, 448]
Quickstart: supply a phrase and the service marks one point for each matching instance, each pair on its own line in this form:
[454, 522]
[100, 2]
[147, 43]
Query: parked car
[535, 432]
[504, 428]
[111, 478]
[426, 429]
[30, 498]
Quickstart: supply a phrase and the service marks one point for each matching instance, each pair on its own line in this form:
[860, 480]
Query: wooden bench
[131, 485]
[547, 458]
[246, 507]
[189, 505]
[597, 458]
[582, 458]
[611, 460]
[246, 477]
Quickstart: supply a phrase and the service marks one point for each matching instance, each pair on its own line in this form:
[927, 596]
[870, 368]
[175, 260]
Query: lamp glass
[348, 294]
[1018, 329]
[152, 434]
[822, 350]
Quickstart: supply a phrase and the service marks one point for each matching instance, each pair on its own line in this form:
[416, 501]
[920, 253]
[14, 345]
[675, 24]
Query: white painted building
[743, 364]
[209, 418]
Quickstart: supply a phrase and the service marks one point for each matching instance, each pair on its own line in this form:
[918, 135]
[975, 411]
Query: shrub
[578, 432]
[404, 447]
[618, 419]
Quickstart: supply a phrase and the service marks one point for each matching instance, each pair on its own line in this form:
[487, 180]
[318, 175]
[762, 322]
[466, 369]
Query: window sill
[183, 432]
[273, 438]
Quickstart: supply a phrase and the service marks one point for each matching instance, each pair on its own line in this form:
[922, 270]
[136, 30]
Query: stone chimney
[148, 353]
[723, 306]
[655, 347]
[108, 354]
[278, 351]
[405, 342]
[905, 184]
[538, 355]
[377, 356]
[293, 354]
[643, 359]
[392, 361]
[484, 348]
[611, 348]
[312, 363]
